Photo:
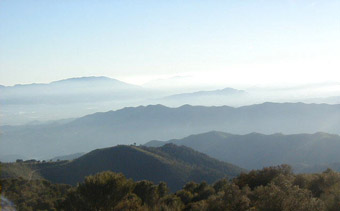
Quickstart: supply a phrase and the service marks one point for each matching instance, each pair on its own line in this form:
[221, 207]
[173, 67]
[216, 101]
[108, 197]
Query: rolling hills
[170, 163]
[157, 122]
[305, 152]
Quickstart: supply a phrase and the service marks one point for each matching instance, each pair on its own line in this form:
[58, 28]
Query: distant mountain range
[226, 96]
[170, 163]
[316, 168]
[68, 157]
[157, 122]
[76, 97]
[73, 90]
[305, 152]
[213, 93]
[65, 99]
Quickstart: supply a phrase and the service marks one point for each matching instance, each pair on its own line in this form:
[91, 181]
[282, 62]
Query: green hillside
[29, 169]
[15, 170]
[172, 164]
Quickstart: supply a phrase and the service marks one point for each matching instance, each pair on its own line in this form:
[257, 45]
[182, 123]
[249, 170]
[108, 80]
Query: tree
[262, 177]
[162, 189]
[281, 194]
[147, 191]
[102, 191]
[130, 202]
[230, 198]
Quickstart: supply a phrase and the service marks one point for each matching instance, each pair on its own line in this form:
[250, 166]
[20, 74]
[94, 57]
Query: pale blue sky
[248, 41]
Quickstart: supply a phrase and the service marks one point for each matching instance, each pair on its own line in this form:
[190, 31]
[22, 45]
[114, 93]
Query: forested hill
[252, 151]
[272, 188]
[172, 164]
[157, 122]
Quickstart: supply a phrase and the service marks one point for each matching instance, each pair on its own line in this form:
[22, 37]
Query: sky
[222, 42]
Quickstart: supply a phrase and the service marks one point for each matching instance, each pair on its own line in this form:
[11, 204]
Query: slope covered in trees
[172, 164]
[272, 188]
[305, 152]
[32, 194]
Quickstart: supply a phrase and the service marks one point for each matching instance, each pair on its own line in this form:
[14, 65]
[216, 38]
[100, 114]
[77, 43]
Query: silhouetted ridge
[172, 164]
[157, 122]
[256, 150]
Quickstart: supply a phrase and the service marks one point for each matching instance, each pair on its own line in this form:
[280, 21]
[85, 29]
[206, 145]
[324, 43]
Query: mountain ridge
[173, 164]
[224, 91]
[157, 122]
[255, 150]
[73, 79]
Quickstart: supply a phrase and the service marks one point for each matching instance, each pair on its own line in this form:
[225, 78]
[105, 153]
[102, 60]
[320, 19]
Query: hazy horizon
[194, 82]
[235, 43]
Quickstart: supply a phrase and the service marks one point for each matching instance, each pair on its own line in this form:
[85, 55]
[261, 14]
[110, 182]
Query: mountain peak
[212, 134]
[172, 164]
[88, 79]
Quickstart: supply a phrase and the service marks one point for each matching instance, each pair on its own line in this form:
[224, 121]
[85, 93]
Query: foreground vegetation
[273, 188]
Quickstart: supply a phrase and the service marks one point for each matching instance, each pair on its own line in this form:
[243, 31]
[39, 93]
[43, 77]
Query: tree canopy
[269, 189]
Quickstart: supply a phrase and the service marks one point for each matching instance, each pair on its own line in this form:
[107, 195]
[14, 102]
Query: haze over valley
[170, 105]
[76, 97]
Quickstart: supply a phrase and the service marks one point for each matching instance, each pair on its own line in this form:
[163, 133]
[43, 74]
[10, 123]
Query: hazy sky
[231, 42]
